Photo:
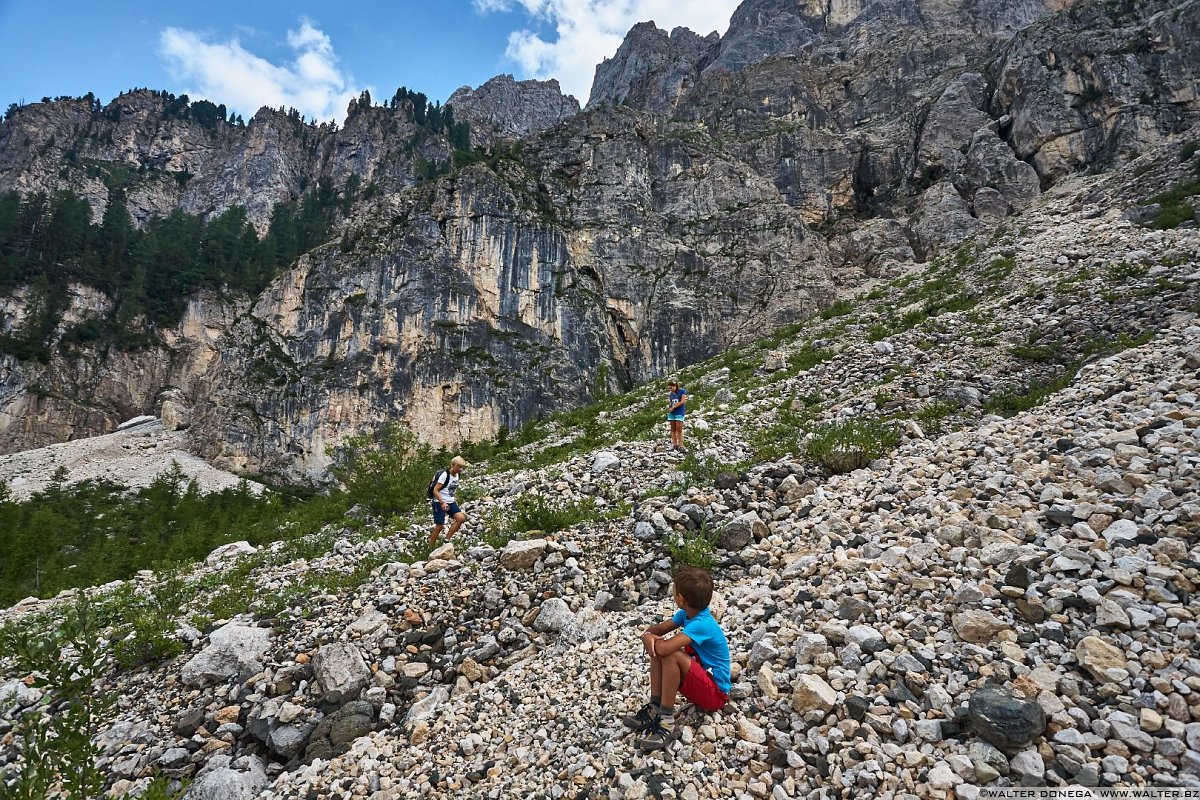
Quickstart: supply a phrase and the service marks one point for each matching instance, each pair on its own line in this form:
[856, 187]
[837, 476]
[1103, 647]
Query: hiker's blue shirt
[709, 642]
[675, 397]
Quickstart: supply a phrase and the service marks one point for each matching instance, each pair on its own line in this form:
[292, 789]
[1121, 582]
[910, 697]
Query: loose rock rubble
[1010, 603]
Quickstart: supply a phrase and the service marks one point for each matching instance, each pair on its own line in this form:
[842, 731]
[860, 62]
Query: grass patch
[997, 271]
[851, 444]
[536, 512]
[1176, 206]
[693, 549]
[838, 309]
[1009, 404]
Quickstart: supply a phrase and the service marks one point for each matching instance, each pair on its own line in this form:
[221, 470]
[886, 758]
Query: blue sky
[315, 56]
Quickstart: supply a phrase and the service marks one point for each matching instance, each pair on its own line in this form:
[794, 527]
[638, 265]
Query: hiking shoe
[643, 719]
[658, 737]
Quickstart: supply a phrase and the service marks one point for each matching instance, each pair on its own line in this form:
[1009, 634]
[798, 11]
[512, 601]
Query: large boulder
[340, 671]
[225, 779]
[233, 652]
[522, 553]
[1101, 660]
[1005, 721]
[588, 625]
[812, 693]
[554, 615]
[229, 551]
[334, 734]
[977, 626]
[741, 531]
[604, 460]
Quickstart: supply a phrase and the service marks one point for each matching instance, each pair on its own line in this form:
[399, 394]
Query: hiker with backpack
[441, 493]
[676, 411]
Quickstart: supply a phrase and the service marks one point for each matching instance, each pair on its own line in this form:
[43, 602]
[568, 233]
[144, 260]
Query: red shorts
[698, 686]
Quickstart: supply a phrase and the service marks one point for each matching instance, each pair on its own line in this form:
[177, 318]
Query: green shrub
[693, 549]
[150, 640]
[93, 532]
[1008, 404]
[850, 444]
[387, 472]
[536, 512]
[701, 471]
[55, 740]
[780, 438]
[838, 309]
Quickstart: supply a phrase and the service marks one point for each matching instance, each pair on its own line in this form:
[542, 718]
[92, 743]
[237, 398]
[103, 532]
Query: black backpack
[434, 482]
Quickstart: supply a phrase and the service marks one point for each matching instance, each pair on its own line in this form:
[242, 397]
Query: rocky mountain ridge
[715, 186]
[1038, 565]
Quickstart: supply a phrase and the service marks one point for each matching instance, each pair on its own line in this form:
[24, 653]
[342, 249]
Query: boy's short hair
[695, 585]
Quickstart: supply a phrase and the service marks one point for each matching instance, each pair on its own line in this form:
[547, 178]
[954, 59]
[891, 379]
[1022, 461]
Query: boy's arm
[655, 633]
[664, 647]
[437, 492]
[663, 628]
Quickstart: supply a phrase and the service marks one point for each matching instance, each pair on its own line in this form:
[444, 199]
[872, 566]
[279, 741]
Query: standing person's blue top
[674, 397]
[710, 644]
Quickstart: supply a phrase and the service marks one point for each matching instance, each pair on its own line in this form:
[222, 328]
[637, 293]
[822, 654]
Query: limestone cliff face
[675, 217]
[503, 291]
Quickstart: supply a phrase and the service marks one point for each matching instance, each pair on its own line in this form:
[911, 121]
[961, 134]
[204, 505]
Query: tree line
[48, 242]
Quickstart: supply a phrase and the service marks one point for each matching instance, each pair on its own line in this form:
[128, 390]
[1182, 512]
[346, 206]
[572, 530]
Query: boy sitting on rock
[693, 662]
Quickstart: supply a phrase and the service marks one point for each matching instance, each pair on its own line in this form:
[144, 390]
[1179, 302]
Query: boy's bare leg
[655, 676]
[459, 519]
[433, 536]
[672, 670]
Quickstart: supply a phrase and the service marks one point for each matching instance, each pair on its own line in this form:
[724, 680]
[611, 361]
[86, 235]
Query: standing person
[442, 491]
[694, 662]
[676, 411]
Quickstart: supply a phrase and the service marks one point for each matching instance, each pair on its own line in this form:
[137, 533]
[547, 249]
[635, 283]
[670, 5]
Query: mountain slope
[1034, 530]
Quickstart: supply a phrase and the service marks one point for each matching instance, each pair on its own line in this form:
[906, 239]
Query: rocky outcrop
[505, 108]
[1099, 84]
[652, 69]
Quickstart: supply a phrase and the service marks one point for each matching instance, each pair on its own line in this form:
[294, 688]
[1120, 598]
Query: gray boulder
[522, 553]
[225, 779]
[233, 652]
[588, 625]
[334, 734]
[554, 616]
[604, 460]
[741, 531]
[1005, 721]
[340, 671]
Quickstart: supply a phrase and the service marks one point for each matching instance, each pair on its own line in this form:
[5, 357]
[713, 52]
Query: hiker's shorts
[439, 516]
[699, 687]
[675, 417]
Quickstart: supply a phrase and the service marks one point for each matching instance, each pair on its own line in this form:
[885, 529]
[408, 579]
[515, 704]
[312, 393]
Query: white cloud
[225, 72]
[588, 31]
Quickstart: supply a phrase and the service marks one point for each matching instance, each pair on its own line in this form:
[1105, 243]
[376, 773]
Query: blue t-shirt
[710, 644]
[675, 397]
